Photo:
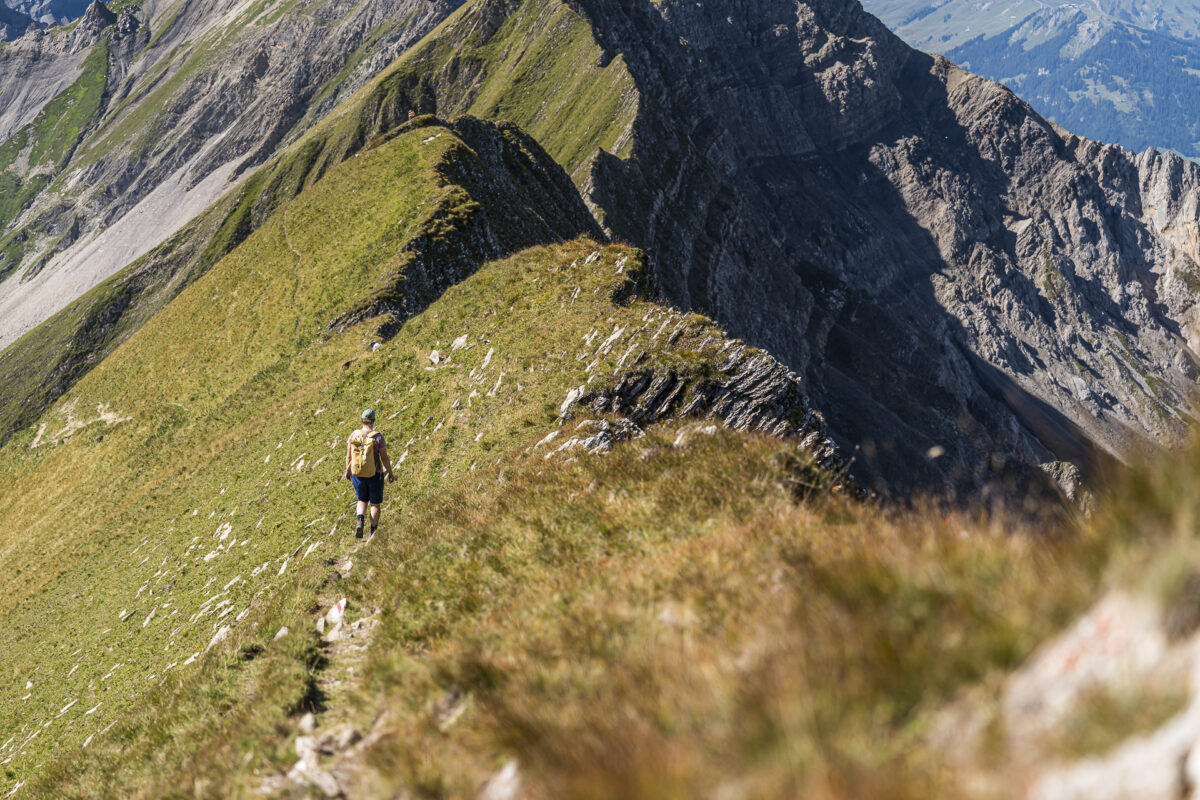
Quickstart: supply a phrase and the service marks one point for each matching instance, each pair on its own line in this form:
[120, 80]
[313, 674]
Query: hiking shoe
[373, 529]
[358, 529]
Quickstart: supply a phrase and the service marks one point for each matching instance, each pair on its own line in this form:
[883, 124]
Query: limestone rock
[597, 437]
[504, 785]
[750, 391]
[336, 613]
[218, 637]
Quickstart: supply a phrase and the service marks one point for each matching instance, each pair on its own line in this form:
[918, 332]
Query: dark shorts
[369, 490]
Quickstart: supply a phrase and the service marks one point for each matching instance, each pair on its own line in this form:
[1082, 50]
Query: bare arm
[346, 475]
[383, 456]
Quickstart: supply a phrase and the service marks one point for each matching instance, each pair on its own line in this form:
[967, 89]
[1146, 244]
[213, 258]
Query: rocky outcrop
[96, 18]
[510, 196]
[749, 391]
[1122, 650]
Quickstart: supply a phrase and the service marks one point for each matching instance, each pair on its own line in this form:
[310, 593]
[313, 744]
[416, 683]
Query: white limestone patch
[218, 637]
[496, 388]
[73, 423]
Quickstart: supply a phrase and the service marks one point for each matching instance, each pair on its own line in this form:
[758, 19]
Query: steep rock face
[748, 391]
[961, 284]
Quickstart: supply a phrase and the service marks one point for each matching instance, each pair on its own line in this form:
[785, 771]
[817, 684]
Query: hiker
[367, 463]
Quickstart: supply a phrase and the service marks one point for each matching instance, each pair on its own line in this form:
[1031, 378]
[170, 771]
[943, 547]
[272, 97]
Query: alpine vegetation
[614, 398]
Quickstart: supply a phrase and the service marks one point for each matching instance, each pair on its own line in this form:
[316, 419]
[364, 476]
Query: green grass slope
[668, 620]
[533, 63]
[38, 368]
[216, 355]
[41, 366]
[191, 481]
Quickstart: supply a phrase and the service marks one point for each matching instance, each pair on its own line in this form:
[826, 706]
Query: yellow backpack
[364, 456]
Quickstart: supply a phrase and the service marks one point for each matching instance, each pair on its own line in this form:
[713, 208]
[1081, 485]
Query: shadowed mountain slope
[953, 274]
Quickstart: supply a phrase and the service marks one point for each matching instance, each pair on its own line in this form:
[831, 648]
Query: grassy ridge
[533, 63]
[538, 67]
[200, 462]
[541, 69]
[222, 349]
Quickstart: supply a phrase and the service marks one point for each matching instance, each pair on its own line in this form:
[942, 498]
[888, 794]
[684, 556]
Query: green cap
[369, 415]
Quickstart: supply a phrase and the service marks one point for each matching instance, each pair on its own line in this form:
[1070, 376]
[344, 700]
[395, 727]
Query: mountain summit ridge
[965, 288]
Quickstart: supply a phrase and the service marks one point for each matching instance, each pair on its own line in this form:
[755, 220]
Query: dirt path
[329, 743]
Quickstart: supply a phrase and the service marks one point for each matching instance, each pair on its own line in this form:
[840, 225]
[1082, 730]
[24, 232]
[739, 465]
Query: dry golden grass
[665, 622]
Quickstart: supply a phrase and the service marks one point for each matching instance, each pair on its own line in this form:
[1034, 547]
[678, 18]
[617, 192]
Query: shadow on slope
[840, 202]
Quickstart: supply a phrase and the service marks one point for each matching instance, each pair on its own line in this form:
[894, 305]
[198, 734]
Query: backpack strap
[378, 458]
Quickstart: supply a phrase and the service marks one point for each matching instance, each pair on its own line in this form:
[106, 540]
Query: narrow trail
[329, 742]
[287, 239]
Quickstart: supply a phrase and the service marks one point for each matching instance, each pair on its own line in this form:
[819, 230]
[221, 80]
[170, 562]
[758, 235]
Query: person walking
[367, 463]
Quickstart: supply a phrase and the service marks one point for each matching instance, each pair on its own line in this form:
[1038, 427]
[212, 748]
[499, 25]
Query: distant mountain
[13, 24]
[1107, 70]
[50, 12]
